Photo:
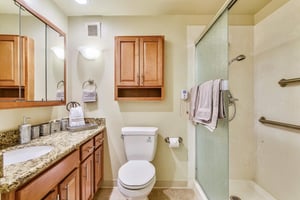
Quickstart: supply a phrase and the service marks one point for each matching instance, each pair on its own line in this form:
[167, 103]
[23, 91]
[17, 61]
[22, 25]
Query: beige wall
[171, 164]
[277, 47]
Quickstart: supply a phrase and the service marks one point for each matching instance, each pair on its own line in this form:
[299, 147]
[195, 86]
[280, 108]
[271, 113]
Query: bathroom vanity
[73, 169]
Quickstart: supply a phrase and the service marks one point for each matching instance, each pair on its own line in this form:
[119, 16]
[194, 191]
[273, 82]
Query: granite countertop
[64, 142]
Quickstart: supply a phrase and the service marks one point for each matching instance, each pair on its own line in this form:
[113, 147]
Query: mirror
[40, 72]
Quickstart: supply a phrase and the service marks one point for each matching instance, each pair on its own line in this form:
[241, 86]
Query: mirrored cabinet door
[32, 61]
[55, 65]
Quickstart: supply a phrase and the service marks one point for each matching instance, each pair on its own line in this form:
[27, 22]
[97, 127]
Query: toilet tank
[140, 142]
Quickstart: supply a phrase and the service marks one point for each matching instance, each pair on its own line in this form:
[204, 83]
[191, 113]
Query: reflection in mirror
[33, 29]
[9, 51]
[55, 65]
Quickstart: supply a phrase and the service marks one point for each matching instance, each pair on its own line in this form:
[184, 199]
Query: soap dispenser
[25, 131]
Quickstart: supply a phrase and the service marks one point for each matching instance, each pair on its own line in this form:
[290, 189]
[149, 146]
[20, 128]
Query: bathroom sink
[24, 154]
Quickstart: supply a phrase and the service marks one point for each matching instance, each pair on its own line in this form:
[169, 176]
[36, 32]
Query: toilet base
[141, 194]
[137, 198]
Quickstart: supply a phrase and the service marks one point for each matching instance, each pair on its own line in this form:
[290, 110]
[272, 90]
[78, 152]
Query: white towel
[207, 104]
[212, 124]
[204, 103]
[193, 101]
[76, 117]
[89, 95]
[60, 95]
[222, 112]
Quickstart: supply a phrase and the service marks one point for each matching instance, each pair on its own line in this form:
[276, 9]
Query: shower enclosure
[211, 52]
[245, 159]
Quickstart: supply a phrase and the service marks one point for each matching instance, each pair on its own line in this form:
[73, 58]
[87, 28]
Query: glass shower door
[212, 147]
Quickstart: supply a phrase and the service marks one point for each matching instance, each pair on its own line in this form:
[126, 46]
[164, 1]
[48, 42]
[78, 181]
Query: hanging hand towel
[193, 102]
[212, 124]
[76, 117]
[60, 95]
[89, 95]
[205, 98]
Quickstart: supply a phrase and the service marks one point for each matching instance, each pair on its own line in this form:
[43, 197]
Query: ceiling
[157, 7]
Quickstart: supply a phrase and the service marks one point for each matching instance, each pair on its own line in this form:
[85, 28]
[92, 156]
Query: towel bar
[286, 125]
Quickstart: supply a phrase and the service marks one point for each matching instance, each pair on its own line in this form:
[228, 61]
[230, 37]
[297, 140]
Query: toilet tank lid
[139, 130]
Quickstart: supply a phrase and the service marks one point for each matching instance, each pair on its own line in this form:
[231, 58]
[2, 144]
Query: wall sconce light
[81, 1]
[59, 52]
[89, 53]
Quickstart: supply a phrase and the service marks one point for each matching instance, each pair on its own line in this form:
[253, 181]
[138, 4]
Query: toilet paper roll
[174, 142]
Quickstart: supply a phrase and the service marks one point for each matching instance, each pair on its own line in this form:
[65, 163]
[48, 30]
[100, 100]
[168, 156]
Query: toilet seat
[136, 174]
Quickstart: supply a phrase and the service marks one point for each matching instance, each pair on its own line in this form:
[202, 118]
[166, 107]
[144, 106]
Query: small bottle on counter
[25, 131]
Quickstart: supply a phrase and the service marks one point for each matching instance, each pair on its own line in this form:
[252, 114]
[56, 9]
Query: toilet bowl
[136, 179]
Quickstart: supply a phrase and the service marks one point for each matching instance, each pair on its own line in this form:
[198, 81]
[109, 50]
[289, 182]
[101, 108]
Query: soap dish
[82, 128]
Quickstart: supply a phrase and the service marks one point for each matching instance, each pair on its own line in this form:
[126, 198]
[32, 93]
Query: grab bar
[283, 82]
[286, 125]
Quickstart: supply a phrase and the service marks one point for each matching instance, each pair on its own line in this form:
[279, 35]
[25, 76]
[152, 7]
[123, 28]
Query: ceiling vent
[93, 29]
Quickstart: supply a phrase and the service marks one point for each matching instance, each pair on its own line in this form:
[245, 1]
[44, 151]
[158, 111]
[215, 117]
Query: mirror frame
[26, 104]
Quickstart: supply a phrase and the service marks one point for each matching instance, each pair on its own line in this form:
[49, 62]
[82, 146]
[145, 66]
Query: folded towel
[222, 112]
[60, 95]
[193, 101]
[207, 104]
[212, 124]
[89, 95]
[76, 117]
[204, 103]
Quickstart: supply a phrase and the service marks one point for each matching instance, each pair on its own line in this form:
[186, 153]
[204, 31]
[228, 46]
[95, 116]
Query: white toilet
[136, 178]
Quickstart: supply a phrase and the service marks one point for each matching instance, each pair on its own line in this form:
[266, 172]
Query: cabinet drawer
[87, 149]
[39, 187]
[99, 139]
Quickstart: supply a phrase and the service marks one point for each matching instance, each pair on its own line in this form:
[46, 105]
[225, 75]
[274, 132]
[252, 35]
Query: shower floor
[248, 190]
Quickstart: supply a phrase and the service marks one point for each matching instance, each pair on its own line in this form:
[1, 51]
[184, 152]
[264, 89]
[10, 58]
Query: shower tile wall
[242, 140]
[277, 56]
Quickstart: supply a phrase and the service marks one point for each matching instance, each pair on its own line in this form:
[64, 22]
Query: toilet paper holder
[167, 140]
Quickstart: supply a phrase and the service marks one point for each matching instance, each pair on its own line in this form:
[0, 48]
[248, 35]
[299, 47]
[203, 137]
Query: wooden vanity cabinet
[39, 187]
[69, 188]
[91, 166]
[98, 161]
[86, 169]
[17, 76]
[75, 177]
[139, 63]
[52, 195]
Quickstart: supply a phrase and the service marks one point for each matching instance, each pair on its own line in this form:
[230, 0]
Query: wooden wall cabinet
[17, 67]
[139, 67]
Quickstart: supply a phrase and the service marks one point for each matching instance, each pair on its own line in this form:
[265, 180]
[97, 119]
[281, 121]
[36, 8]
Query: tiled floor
[156, 194]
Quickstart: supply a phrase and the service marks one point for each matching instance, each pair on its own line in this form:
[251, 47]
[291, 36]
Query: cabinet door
[98, 157]
[52, 195]
[69, 188]
[127, 61]
[151, 60]
[87, 180]
[9, 60]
